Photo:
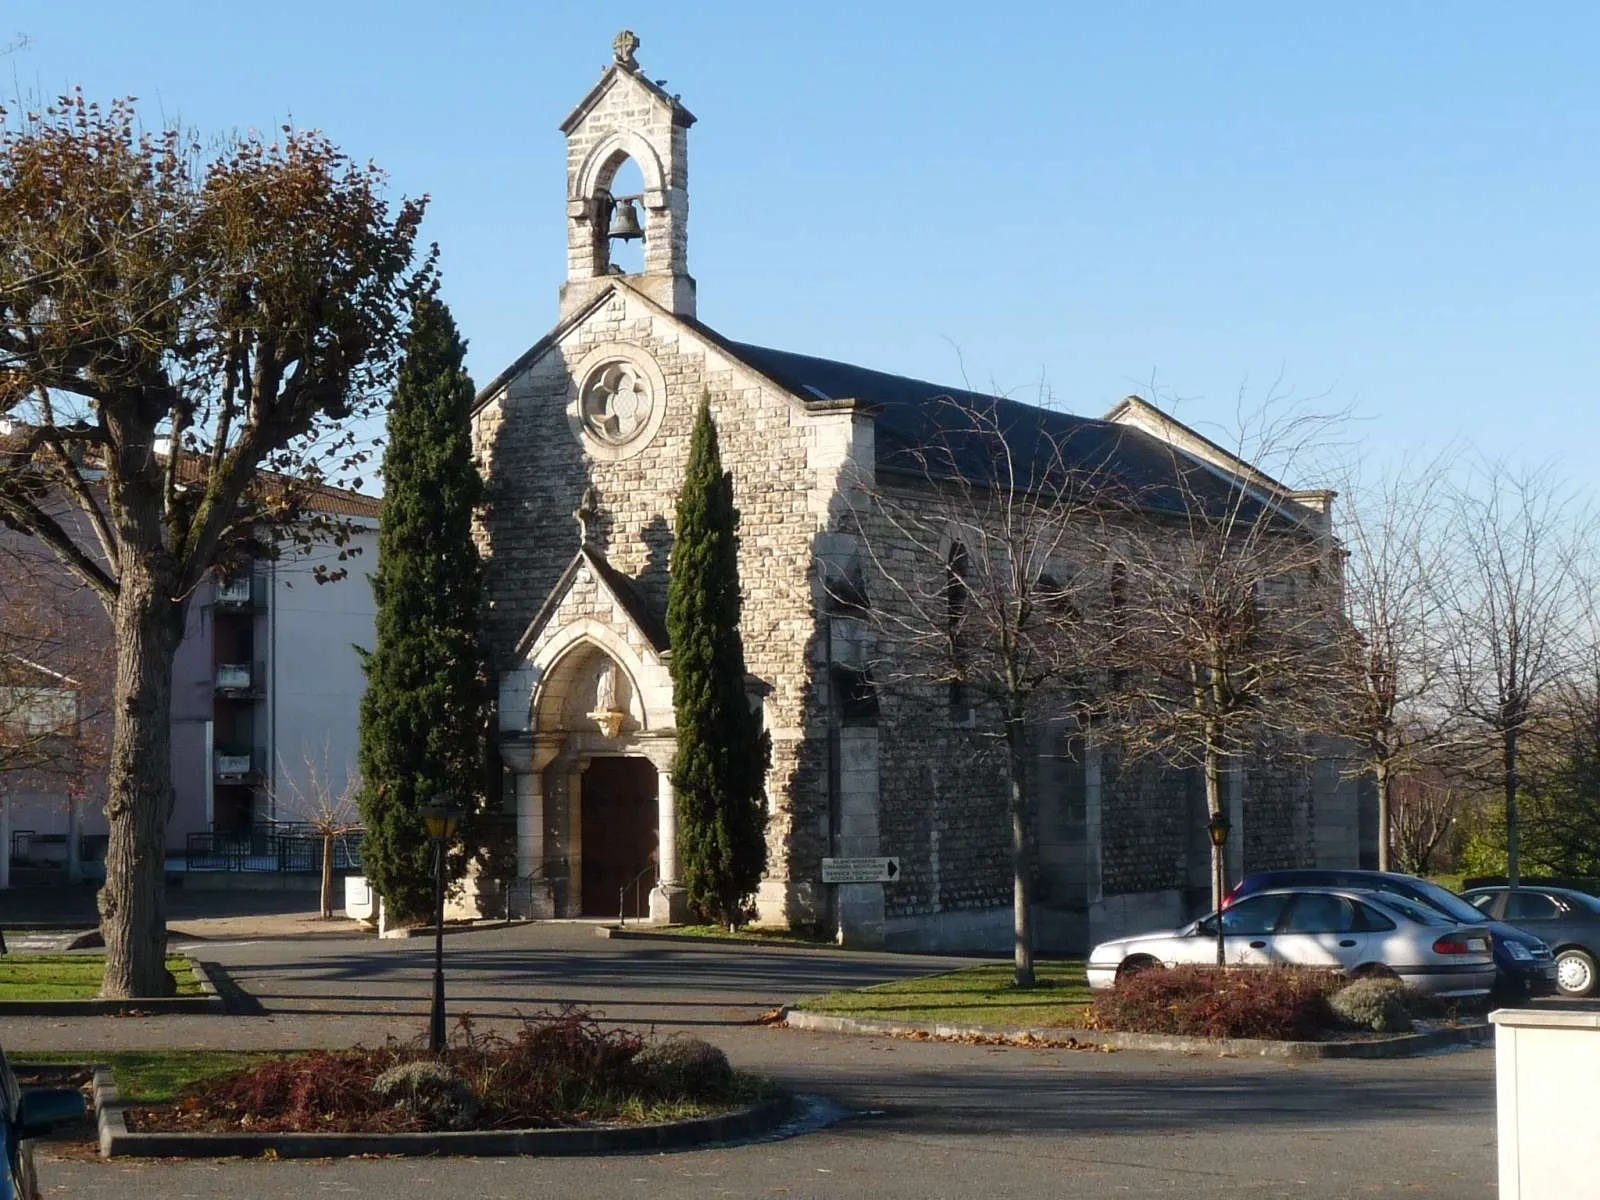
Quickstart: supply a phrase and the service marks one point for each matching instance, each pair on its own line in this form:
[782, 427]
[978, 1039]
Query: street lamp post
[1217, 830]
[442, 818]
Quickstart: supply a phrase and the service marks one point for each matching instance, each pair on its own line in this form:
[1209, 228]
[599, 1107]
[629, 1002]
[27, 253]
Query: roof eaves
[680, 115]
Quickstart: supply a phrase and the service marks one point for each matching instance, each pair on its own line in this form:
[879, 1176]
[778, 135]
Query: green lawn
[972, 996]
[154, 1077]
[71, 976]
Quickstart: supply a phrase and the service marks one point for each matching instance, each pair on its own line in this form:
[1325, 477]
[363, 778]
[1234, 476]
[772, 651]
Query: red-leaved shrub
[560, 1067]
[1285, 1003]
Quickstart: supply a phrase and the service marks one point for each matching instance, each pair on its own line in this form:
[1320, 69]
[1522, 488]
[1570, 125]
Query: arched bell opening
[623, 213]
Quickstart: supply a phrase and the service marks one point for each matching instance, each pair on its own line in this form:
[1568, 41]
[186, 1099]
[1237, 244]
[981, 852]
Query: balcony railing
[245, 592]
[237, 765]
[241, 679]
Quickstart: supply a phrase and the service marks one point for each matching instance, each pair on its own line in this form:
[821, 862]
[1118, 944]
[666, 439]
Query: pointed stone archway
[587, 737]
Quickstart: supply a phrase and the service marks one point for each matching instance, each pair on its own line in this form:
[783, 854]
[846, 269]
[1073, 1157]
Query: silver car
[1350, 930]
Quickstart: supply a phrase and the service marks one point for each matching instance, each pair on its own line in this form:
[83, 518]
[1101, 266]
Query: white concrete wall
[1547, 1074]
[315, 682]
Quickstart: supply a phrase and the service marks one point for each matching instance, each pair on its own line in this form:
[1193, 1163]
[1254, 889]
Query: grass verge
[72, 976]
[798, 937]
[156, 1076]
[983, 995]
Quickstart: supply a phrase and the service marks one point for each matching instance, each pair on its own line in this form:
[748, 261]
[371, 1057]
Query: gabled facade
[583, 443]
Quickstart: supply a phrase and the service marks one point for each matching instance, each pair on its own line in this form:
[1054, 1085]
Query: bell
[625, 222]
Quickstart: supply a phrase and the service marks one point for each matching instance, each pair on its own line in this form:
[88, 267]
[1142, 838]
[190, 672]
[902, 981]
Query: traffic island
[564, 1084]
[1422, 1041]
[118, 1141]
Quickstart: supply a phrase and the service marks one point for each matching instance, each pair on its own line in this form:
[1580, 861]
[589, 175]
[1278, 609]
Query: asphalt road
[931, 1119]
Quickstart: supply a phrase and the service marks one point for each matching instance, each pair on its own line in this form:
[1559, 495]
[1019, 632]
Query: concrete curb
[118, 1141]
[619, 934]
[211, 1002]
[1399, 1046]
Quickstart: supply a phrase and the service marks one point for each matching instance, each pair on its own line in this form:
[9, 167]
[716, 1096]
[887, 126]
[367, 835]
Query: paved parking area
[934, 1119]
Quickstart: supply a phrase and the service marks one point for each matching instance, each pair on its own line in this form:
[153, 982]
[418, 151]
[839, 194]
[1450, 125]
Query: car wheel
[1137, 965]
[1575, 972]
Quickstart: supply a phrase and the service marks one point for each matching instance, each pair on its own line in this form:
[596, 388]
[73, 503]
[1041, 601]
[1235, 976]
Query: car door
[1319, 929]
[1534, 912]
[1248, 927]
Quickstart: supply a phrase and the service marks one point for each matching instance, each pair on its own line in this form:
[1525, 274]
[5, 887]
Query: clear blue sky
[1392, 205]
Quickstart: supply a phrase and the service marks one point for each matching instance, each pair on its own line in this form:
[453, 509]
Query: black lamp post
[442, 818]
[1217, 829]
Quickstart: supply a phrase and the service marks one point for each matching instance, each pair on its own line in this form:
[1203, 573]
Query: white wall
[315, 682]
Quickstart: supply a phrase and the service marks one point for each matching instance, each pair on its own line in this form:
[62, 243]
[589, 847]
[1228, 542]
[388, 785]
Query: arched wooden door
[619, 818]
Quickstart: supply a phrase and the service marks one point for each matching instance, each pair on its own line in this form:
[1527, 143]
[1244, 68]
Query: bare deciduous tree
[1423, 807]
[1227, 608]
[329, 807]
[982, 545]
[1391, 656]
[1512, 606]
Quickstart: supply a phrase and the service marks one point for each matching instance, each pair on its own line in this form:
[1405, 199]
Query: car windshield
[1448, 903]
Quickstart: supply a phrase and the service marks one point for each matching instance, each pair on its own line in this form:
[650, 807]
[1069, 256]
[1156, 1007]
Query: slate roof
[927, 429]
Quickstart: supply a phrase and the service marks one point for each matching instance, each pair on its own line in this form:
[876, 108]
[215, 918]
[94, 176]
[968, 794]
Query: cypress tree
[425, 709]
[722, 755]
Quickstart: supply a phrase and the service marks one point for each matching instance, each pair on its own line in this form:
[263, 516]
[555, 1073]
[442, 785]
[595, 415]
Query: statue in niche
[606, 713]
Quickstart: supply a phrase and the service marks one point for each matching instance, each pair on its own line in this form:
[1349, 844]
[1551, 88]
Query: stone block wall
[786, 463]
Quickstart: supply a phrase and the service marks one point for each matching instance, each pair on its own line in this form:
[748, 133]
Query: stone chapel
[582, 441]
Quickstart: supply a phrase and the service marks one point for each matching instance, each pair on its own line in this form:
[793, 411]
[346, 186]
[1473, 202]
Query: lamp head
[1217, 828]
[442, 818]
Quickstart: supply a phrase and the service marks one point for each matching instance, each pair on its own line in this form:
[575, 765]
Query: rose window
[616, 402]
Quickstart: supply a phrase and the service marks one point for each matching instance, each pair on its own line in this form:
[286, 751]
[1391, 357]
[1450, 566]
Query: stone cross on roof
[623, 47]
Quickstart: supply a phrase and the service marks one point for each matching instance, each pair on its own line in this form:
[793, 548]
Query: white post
[666, 829]
[667, 897]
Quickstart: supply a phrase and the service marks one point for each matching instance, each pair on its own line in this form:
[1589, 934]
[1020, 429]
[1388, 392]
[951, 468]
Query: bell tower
[626, 116]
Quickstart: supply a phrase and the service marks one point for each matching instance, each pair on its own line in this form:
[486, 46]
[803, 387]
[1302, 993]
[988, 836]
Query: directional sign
[860, 870]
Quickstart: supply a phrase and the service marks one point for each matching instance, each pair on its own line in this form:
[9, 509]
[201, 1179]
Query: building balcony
[237, 764]
[248, 593]
[241, 680]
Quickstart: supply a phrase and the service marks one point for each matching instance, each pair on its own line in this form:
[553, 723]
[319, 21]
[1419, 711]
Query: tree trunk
[1021, 859]
[1381, 770]
[327, 876]
[1513, 834]
[148, 624]
[1213, 773]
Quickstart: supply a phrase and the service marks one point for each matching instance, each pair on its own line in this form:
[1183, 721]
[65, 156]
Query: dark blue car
[1525, 965]
[23, 1115]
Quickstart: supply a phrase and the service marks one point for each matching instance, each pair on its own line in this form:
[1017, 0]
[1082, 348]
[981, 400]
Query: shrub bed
[1279, 1003]
[560, 1068]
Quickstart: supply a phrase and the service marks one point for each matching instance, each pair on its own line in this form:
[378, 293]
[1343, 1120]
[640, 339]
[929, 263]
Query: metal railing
[283, 849]
[622, 894]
